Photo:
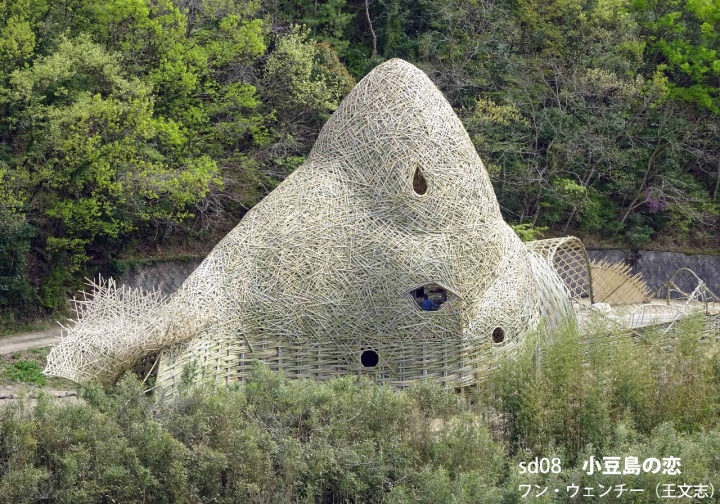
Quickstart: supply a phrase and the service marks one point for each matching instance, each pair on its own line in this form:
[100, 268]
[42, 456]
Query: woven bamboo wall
[392, 198]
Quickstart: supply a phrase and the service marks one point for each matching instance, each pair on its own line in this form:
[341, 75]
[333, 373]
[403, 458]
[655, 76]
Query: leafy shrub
[350, 440]
[27, 372]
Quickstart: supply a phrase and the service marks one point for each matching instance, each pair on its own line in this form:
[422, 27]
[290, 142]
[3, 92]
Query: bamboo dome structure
[385, 253]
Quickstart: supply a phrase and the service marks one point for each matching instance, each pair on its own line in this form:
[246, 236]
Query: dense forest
[133, 122]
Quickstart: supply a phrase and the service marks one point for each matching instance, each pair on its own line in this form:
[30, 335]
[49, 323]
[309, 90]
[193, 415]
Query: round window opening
[369, 358]
[498, 335]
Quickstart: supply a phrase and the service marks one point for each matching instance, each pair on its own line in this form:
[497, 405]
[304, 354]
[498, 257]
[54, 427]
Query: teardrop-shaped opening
[419, 182]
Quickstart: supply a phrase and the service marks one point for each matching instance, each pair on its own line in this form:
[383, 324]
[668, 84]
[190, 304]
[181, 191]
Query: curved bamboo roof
[325, 276]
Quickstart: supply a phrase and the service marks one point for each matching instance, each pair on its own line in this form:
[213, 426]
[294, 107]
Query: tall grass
[566, 391]
[565, 395]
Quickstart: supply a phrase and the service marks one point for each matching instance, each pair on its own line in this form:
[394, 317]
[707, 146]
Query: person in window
[428, 304]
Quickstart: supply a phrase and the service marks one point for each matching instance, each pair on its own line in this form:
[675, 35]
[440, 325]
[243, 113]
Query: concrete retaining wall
[657, 267]
[166, 276]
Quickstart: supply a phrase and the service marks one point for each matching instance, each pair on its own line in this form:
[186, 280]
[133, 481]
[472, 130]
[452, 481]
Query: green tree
[96, 163]
[15, 235]
[302, 84]
[328, 21]
[682, 40]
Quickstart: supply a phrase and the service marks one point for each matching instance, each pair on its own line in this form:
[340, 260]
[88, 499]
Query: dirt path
[19, 342]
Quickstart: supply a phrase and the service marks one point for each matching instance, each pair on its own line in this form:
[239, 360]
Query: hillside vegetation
[132, 123]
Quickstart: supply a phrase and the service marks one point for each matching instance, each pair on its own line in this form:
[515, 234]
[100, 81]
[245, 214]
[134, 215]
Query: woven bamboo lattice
[114, 329]
[326, 275]
[567, 256]
[638, 311]
[700, 293]
[653, 315]
[615, 284]
[712, 327]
